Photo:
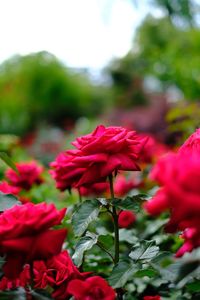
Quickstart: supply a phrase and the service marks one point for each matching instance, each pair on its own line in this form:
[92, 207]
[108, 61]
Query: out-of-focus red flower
[29, 173]
[192, 144]
[152, 150]
[126, 219]
[22, 281]
[122, 185]
[179, 175]
[26, 235]
[8, 189]
[98, 155]
[157, 297]
[92, 288]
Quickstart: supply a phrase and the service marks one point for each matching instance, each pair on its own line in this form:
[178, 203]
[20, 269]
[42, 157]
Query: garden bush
[116, 217]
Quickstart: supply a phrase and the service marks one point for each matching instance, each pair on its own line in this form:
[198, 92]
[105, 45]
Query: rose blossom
[123, 185]
[192, 144]
[29, 173]
[98, 155]
[92, 288]
[95, 189]
[23, 280]
[179, 176]
[57, 272]
[126, 219]
[26, 235]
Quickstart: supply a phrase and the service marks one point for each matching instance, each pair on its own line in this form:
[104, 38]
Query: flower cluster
[97, 155]
[179, 177]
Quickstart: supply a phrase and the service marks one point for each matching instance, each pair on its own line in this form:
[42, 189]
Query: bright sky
[82, 33]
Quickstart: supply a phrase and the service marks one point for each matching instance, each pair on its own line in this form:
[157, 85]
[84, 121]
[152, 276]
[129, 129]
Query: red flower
[192, 144]
[29, 173]
[122, 185]
[65, 171]
[152, 150]
[97, 155]
[22, 281]
[8, 189]
[126, 219]
[92, 288]
[57, 272]
[180, 194]
[26, 235]
[152, 297]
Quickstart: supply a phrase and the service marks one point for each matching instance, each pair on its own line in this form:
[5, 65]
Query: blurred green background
[154, 88]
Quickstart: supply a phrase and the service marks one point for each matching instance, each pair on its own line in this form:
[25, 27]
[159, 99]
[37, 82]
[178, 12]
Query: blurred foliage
[164, 53]
[183, 120]
[37, 87]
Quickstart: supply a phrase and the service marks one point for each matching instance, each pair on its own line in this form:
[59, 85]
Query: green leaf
[8, 201]
[129, 203]
[18, 294]
[87, 212]
[121, 273]
[8, 161]
[146, 272]
[145, 250]
[85, 243]
[194, 286]
[127, 236]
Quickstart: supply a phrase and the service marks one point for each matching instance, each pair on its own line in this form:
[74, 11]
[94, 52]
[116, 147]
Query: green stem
[79, 196]
[115, 222]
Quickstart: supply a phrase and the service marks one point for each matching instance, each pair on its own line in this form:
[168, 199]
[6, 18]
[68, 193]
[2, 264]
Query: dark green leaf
[146, 272]
[85, 243]
[18, 294]
[7, 201]
[86, 213]
[8, 161]
[121, 273]
[145, 250]
[194, 286]
[129, 203]
[127, 236]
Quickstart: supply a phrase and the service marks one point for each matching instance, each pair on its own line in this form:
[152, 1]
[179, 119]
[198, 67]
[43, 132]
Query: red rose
[65, 172]
[122, 185]
[26, 235]
[29, 173]
[92, 288]
[152, 150]
[180, 194]
[126, 219]
[23, 280]
[152, 297]
[97, 155]
[192, 144]
[8, 189]
[57, 272]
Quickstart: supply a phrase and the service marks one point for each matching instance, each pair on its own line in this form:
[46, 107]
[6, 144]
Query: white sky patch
[82, 33]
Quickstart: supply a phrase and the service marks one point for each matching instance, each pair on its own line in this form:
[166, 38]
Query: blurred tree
[37, 88]
[162, 51]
